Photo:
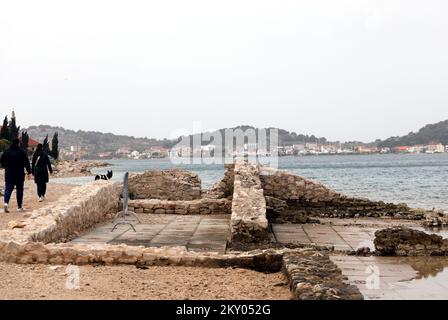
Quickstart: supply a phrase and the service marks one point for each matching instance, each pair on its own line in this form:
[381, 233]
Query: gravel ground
[42, 282]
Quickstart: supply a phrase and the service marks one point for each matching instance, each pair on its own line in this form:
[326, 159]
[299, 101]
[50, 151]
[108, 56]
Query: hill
[94, 141]
[286, 138]
[437, 132]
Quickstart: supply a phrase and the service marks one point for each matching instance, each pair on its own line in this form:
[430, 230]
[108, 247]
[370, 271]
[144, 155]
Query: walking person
[40, 167]
[15, 161]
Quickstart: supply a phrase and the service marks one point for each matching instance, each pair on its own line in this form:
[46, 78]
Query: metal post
[125, 212]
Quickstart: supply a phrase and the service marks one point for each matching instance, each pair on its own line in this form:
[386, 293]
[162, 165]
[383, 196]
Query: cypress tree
[46, 146]
[4, 133]
[55, 146]
[25, 140]
[13, 129]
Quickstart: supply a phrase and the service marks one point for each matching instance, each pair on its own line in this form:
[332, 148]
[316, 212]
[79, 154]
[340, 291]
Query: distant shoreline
[285, 156]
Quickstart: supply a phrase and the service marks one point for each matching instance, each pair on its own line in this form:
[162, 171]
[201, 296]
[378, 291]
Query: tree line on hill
[431, 133]
[95, 143]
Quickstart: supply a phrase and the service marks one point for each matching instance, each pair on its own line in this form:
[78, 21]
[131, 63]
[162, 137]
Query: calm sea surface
[420, 180]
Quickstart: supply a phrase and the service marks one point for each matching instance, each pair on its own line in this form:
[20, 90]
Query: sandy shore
[131, 283]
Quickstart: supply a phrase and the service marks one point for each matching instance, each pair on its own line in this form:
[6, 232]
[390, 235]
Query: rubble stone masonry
[248, 220]
[402, 241]
[309, 198]
[165, 185]
[200, 206]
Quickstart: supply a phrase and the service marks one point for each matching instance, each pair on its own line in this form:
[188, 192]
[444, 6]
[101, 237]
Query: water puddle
[401, 278]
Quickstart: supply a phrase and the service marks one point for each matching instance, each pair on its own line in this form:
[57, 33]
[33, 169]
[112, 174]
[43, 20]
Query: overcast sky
[340, 69]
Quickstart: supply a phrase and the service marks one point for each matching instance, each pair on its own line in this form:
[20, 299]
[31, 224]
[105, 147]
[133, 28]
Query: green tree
[24, 141]
[46, 146]
[55, 146]
[4, 144]
[4, 133]
[13, 129]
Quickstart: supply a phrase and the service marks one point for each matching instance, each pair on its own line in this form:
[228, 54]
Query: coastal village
[159, 152]
[87, 151]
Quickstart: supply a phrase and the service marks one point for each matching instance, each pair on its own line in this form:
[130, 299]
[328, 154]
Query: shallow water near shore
[420, 180]
[399, 278]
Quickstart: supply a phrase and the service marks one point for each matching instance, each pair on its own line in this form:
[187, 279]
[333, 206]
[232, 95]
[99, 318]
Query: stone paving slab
[322, 235]
[196, 233]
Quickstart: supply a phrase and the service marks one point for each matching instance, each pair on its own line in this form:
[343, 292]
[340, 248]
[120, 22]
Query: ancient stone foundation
[165, 185]
[200, 206]
[290, 196]
[313, 276]
[401, 241]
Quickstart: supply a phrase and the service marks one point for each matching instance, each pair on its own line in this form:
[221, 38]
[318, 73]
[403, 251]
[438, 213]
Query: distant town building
[362, 149]
[401, 149]
[123, 152]
[32, 145]
[435, 148]
[105, 155]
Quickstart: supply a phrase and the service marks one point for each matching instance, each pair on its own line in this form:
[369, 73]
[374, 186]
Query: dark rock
[402, 241]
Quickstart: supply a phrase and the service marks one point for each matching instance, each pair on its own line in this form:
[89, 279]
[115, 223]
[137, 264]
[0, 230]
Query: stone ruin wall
[291, 196]
[201, 206]
[248, 220]
[41, 237]
[326, 284]
[171, 185]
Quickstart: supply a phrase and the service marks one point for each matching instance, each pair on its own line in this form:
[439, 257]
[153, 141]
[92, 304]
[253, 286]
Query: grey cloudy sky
[345, 69]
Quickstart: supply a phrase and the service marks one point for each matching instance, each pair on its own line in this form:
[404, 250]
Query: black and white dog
[108, 176]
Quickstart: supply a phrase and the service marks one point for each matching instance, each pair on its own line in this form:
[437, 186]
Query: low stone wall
[201, 206]
[165, 185]
[313, 276]
[81, 254]
[84, 207]
[401, 241]
[309, 198]
[248, 220]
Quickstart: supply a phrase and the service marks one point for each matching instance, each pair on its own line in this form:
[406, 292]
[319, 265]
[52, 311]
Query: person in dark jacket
[15, 161]
[41, 166]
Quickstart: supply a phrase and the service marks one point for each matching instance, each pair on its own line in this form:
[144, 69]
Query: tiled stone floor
[343, 234]
[341, 237]
[394, 278]
[196, 233]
